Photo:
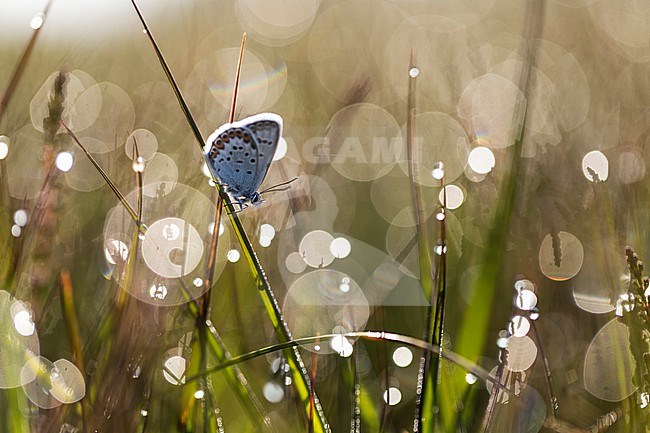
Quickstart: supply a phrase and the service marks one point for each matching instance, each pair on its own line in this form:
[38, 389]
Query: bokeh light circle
[20, 217]
[522, 353]
[23, 318]
[595, 166]
[39, 388]
[481, 159]
[160, 176]
[266, 235]
[340, 247]
[273, 392]
[391, 198]
[608, 377]
[392, 396]
[630, 166]
[233, 256]
[524, 284]
[488, 105]
[363, 142]
[146, 141]
[315, 248]
[169, 236]
[561, 256]
[526, 300]
[402, 356]
[15, 349]
[174, 250]
[316, 305]
[339, 344]
[281, 150]
[454, 196]
[64, 161]
[68, 384]
[436, 134]
[174, 365]
[295, 263]
[519, 326]
[115, 120]
[276, 23]
[4, 146]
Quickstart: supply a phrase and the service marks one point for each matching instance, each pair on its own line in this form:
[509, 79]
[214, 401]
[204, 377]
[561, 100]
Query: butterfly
[239, 155]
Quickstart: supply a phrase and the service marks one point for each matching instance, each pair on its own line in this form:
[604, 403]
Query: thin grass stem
[72, 324]
[22, 62]
[477, 315]
[426, 386]
[449, 355]
[299, 371]
[132, 213]
[203, 313]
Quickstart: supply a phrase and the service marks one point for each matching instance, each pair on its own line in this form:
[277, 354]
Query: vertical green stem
[298, 370]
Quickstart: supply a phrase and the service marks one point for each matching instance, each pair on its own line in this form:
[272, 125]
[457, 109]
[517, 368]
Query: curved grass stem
[453, 357]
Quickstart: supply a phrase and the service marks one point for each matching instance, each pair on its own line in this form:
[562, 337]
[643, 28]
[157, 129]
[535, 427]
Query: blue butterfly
[239, 155]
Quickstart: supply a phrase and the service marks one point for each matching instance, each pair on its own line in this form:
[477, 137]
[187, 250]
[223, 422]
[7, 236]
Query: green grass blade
[12, 419]
[432, 281]
[455, 358]
[473, 334]
[72, 325]
[236, 379]
[298, 370]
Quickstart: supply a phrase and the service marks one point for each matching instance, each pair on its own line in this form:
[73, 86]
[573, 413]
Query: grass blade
[14, 80]
[22, 62]
[72, 324]
[430, 279]
[107, 179]
[474, 328]
[453, 357]
[299, 371]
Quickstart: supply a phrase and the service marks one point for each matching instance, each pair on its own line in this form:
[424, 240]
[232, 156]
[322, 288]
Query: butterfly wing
[239, 154]
[225, 157]
[266, 130]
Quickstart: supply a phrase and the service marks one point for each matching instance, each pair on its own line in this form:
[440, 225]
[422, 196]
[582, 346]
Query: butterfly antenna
[274, 189]
[237, 77]
[281, 186]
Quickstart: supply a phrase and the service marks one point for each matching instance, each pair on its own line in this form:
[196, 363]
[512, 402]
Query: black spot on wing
[265, 135]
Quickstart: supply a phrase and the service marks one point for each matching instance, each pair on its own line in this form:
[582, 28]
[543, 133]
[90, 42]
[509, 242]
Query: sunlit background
[532, 114]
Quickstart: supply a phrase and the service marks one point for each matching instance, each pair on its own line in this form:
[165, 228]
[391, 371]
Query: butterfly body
[239, 155]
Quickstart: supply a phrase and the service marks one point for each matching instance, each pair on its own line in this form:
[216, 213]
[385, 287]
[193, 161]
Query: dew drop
[438, 171]
[37, 22]
[138, 164]
[64, 161]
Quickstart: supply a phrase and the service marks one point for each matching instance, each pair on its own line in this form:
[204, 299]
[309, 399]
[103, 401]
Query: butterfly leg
[236, 211]
[241, 203]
